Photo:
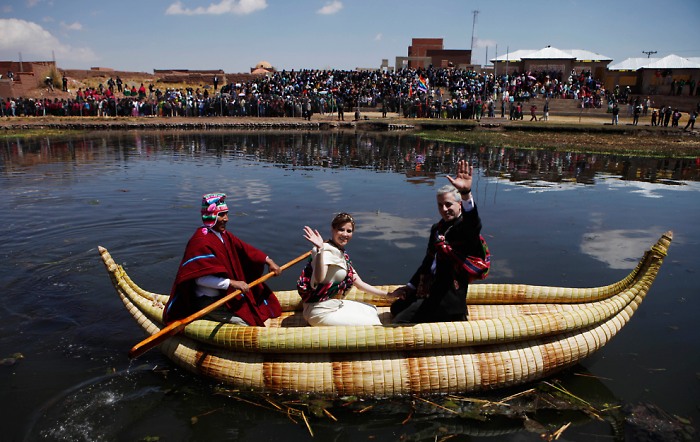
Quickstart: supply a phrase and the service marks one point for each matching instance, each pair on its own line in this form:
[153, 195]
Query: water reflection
[391, 228]
[617, 247]
[537, 168]
[573, 220]
[418, 159]
[150, 404]
[148, 401]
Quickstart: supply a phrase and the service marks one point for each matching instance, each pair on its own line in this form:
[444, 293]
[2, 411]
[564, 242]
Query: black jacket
[448, 285]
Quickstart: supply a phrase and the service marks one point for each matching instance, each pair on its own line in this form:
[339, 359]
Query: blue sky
[234, 35]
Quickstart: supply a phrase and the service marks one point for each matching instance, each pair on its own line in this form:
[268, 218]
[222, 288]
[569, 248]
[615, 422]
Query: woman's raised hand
[313, 237]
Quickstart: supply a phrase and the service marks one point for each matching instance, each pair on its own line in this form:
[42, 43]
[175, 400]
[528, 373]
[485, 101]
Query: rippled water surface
[549, 218]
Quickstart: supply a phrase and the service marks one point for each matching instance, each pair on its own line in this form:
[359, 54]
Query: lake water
[563, 219]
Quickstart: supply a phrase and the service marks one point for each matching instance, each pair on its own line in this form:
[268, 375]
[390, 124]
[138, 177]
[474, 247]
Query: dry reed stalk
[289, 416]
[408, 418]
[516, 395]
[436, 405]
[367, 408]
[560, 431]
[567, 393]
[587, 375]
[483, 402]
[269, 401]
[328, 413]
[308, 426]
[195, 419]
[590, 408]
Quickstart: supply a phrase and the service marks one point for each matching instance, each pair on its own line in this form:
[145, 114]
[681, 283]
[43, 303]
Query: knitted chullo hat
[212, 205]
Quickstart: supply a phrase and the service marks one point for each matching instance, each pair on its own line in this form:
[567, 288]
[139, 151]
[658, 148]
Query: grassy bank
[36, 133]
[632, 143]
[570, 134]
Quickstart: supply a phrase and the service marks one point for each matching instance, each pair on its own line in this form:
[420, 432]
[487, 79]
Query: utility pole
[506, 70]
[475, 12]
[495, 64]
[648, 53]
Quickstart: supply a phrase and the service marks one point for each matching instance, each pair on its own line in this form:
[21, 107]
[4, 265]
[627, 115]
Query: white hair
[449, 188]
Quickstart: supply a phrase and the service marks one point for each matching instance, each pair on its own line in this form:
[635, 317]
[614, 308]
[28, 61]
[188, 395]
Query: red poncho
[205, 255]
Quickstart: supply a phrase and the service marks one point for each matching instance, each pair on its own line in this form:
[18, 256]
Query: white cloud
[32, 3]
[239, 7]
[36, 43]
[378, 37]
[484, 43]
[7, 9]
[75, 26]
[330, 8]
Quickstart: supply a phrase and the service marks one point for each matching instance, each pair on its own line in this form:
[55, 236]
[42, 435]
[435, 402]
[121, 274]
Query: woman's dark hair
[341, 219]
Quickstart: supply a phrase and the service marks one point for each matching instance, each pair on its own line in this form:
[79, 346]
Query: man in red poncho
[217, 263]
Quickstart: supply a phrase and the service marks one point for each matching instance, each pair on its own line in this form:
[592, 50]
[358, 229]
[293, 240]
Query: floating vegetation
[548, 409]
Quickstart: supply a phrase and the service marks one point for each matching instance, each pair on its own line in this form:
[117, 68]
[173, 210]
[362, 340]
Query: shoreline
[590, 133]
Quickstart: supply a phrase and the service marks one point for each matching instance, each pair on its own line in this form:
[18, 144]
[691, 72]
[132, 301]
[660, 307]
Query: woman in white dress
[330, 275]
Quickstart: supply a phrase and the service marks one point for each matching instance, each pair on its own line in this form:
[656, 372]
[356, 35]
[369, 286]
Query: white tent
[672, 62]
[632, 64]
[551, 53]
[669, 62]
[512, 56]
[582, 55]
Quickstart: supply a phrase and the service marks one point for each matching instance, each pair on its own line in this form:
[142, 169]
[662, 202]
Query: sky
[235, 35]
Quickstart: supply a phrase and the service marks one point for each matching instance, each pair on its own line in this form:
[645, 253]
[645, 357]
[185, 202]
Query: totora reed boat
[515, 334]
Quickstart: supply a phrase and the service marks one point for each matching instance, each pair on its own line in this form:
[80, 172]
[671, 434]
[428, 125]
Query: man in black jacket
[455, 256]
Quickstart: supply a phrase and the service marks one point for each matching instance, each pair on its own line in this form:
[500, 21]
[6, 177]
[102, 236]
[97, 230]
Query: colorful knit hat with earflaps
[212, 205]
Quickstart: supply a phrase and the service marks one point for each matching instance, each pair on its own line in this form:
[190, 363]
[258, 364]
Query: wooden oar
[177, 326]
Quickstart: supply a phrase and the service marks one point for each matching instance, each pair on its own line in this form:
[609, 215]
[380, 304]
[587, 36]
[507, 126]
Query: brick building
[424, 52]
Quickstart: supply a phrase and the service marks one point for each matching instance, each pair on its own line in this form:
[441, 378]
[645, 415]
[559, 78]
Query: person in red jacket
[216, 263]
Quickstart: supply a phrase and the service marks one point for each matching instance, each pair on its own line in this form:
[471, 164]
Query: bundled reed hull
[515, 334]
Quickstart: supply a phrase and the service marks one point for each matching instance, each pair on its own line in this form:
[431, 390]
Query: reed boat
[514, 334]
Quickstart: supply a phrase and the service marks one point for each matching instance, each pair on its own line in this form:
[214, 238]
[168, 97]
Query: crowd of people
[450, 93]
[664, 115]
[413, 93]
